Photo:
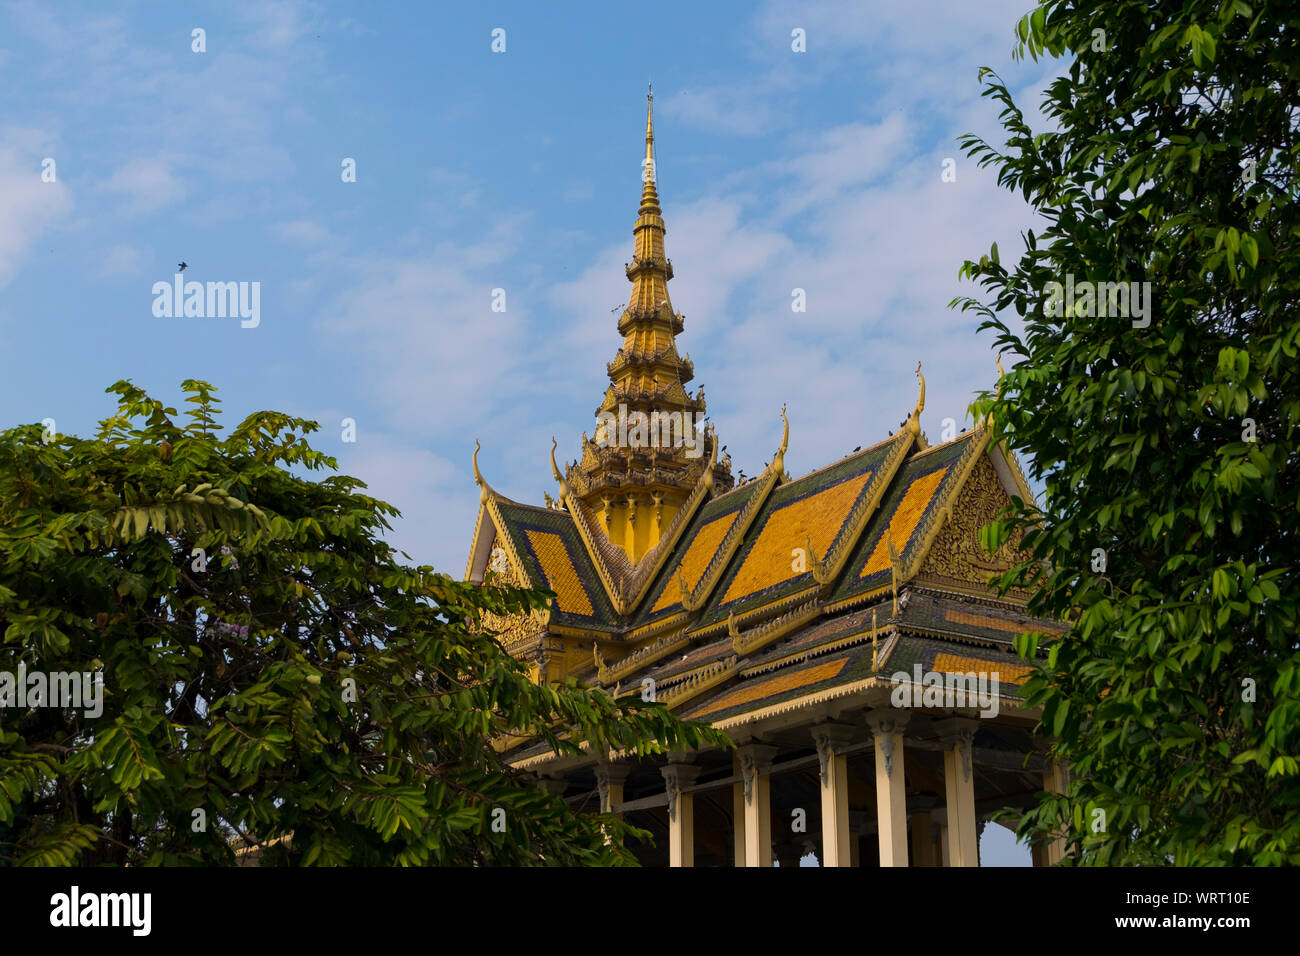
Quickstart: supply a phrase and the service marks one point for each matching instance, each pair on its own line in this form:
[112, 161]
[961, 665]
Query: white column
[610, 778]
[609, 784]
[681, 813]
[831, 740]
[738, 815]
[755, 764]
[959, 786]
[887, 725]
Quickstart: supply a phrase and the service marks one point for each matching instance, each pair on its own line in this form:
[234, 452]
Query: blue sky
[518, 170]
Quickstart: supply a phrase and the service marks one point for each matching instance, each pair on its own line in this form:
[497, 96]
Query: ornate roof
[769, 596]
[772, 594]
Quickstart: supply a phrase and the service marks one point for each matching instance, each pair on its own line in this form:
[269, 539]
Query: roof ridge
[857, 454]
[951, 441]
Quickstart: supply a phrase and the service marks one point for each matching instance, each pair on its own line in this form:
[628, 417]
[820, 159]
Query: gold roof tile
[697, 557]
[778, 683]
[571, 597]
[1006, 672]
[817, 518]
[904, 520]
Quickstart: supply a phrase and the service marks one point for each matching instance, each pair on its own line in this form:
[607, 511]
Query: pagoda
[811, 619]
[635, 485]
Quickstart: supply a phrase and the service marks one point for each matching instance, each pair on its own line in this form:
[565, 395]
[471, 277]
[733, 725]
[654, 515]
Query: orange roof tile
[770, 560]
[904, 520]
[697, 558]
[781, 681]
[1005, 672]
[561, 577]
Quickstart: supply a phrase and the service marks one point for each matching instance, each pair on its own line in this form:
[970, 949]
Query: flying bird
[181, 266]
[859, 448]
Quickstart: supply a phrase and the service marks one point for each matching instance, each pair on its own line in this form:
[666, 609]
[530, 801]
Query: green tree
[232, 606]
[1168, 533]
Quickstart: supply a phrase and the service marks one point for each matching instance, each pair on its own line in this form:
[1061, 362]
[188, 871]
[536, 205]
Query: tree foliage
[230, 603]
[1167, 452]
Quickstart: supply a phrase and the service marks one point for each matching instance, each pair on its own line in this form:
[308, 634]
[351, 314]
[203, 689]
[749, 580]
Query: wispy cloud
[29, 207]
[120, 261]
[148, 184]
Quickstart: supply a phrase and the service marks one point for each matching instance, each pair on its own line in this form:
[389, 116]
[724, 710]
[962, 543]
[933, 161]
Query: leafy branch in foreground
[268, 666]
[1164, 438]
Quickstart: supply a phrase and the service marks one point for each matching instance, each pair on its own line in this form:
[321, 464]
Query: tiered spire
[620, 467]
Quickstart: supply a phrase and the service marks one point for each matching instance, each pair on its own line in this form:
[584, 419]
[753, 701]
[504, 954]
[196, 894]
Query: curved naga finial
[915, 421]
[732, 630]
[484, 488]
[555, 470]
[778, 460]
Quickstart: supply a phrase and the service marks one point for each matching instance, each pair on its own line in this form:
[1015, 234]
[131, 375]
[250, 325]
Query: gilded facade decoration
[515, 631]
[956, 552]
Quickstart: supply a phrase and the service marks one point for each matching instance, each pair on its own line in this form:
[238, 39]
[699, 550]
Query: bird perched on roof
[182, 266]
[859, 448]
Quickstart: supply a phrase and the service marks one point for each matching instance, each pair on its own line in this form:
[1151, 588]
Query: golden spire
[649, 192]
[641, 452]
[650, 128]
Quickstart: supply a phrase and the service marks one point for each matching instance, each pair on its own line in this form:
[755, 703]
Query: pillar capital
[957, 734]
[886, 723]
[678, 777]
[612, 773]
[610, 778]
[831, 740]
[839, 734]
[754, 759]
[887, 720]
